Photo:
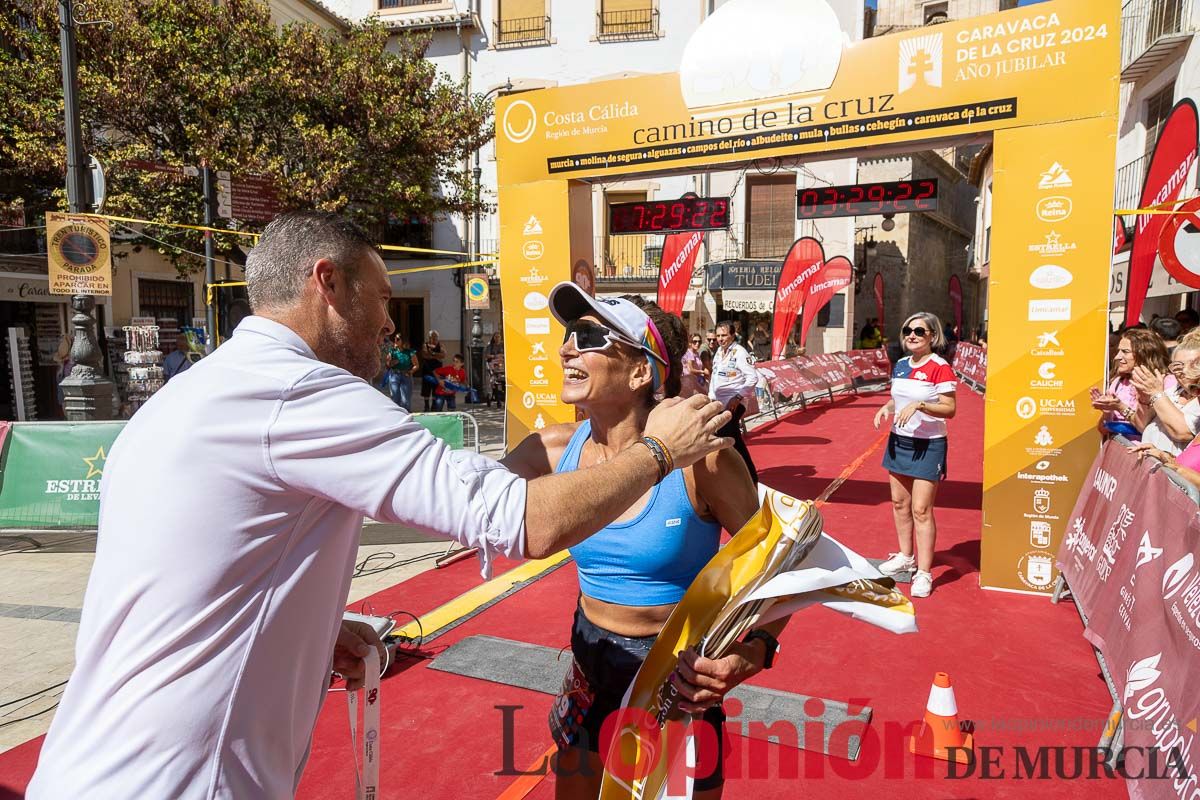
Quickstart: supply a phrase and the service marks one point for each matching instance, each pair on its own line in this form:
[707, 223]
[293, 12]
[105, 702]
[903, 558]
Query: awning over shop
[759, 300]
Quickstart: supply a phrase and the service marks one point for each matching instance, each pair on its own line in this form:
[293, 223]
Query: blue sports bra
[649, 560]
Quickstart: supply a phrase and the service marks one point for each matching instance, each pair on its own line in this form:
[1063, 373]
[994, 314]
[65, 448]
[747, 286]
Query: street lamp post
[473, 251]
[87, 394]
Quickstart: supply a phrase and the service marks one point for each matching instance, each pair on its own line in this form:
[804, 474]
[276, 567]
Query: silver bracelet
[1154, 398]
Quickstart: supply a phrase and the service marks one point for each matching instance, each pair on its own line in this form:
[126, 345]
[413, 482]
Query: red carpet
[1020, 667]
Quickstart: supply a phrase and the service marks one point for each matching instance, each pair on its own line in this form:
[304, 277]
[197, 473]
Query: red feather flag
[803, 261]
[835, 274]
[678, 259]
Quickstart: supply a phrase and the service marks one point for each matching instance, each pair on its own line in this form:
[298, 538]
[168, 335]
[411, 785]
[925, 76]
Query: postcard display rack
[20, 375]
[143, 365]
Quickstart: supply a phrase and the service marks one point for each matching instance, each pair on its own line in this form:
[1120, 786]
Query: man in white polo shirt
[205, 642]
[733, 379]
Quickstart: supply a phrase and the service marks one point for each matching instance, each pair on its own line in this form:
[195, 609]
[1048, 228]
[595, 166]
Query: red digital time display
[861, 199]
[688, 213]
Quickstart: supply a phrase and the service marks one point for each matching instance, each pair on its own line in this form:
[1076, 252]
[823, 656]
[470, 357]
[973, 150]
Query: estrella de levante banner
[50, 474]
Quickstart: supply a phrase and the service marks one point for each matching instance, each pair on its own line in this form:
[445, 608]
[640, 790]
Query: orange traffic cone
[940, 735]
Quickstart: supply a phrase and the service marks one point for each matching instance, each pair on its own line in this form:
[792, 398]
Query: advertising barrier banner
[50, 474]
[1132, 559]
[970, 361]
[50, 471]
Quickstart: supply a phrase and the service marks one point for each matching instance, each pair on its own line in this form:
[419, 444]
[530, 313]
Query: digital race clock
[860, 199]
[688, 213]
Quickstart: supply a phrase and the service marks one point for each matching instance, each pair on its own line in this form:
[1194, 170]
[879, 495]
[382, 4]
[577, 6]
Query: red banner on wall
[1173, 158]
[1131, 556]
[678, 259]
[803, 261]
[955, 290]
[833, 276]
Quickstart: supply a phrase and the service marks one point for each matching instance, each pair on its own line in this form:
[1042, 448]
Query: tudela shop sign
[1173, 158]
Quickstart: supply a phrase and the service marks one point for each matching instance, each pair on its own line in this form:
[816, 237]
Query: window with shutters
[935, 13]
[770, 215]
[166, 300]
[1158, 108]
[519, 23]
[625, 20]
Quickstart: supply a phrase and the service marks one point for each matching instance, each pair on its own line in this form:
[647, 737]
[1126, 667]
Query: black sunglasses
[919, 331]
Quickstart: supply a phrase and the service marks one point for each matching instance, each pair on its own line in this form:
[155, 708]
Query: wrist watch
[772, 645]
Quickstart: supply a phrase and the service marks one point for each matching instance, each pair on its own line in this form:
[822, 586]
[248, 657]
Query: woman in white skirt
[923, 389]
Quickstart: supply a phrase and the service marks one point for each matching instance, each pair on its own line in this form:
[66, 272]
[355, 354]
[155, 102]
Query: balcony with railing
[1129, 186]
[521, 31]
[1151, 30]
[628, 25]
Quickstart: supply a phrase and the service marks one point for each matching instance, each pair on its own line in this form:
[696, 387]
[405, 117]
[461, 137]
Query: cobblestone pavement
[43, 577]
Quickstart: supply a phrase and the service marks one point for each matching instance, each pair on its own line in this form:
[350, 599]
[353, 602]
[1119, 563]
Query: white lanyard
[366, 773]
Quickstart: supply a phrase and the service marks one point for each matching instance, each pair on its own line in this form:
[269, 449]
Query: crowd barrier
[50, 471]
[1131, 559]
[970, 362]
[802, 379]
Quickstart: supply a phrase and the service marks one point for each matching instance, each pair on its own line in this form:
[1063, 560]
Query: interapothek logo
[520, 121]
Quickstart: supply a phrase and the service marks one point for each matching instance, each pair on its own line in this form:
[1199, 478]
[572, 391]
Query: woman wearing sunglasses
[620, 356]
[695, 378]
[923, 398]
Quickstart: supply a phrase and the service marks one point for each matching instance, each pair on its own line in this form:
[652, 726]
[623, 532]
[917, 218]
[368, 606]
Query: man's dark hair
[727, 325]
[459, 356]
[1167, 328]
[1189, 314]
[281, 262]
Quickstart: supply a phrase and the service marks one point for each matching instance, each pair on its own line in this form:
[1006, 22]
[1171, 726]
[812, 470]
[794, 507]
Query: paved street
[43, 577]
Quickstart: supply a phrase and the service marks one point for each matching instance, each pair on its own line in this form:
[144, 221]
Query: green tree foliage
[353, 120]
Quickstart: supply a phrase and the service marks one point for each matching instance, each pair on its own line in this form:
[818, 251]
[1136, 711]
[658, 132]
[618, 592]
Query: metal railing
[1129, 186]
[1145, 22]
[628, 258]
[635, 23]
[521, 30]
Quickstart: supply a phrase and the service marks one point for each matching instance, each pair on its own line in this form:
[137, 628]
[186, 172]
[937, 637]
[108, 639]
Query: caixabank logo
[83, 487]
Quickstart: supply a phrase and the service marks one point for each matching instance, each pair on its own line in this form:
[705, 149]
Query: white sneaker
[922, 584]
[898, 563]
